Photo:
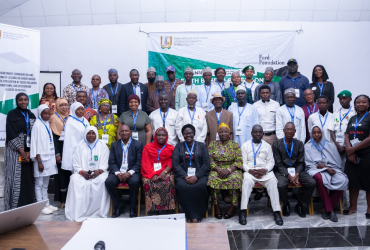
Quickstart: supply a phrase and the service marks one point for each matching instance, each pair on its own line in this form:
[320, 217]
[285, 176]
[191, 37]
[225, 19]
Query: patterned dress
[225, 155]
[230, 96]
[111, 127]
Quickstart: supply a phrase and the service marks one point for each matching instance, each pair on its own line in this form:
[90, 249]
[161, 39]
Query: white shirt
[267, 114]
[249, 85]
[204, 98]
[181, 94]
[157, 122]
[226, 84]
[339, 114]
[283, 116]
[199, 123]
[123, 158]
[138, 93]
[314, 119]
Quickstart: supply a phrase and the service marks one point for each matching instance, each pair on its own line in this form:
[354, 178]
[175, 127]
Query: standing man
[172, 82]
[274, 86]
[133, 87]
[82, 98]
[193, 115]
[322, 118]
[95, 94]
[183, 89]
[70, 91]
[245, 116]
[114, 89]
[249, 84]
[217, 116]
[290, 113]
[207, 90]
[151, 75]
[165, 117]
[266, 109]
[152, 103]
[295, 80]
[309, 108]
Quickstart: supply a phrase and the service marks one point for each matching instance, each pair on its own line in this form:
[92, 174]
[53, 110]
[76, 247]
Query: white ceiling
[39, 13]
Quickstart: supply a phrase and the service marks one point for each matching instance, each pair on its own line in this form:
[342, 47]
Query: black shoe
[286, 209]
[242, 217]
[333, 217]
[325, 215]
[278, 220]
[258, 196]
[118, 211]
[133, 213]
[300, 211]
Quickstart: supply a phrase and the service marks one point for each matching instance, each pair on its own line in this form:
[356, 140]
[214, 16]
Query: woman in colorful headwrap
[226, 170]
[105, 122]
[156, 171]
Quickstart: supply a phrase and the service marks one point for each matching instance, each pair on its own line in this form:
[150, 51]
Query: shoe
[227, 216]
[278, 220]
[218, 216]
[258, 196]
[242, 217]
[133, 213]
[333, 217]
[300, 211]
[46, 211]
[52, 208]
[286, 210]
[325, 215]
[346, 212]
[118, 211]
[367, 216]
[62, 205]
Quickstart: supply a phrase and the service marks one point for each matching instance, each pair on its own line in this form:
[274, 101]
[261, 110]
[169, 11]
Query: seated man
[290, 168]
[87, 196]
[258, 162]
[124, 167]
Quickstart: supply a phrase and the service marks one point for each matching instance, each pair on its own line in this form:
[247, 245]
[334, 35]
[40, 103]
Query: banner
[19, 69]
[230, 50]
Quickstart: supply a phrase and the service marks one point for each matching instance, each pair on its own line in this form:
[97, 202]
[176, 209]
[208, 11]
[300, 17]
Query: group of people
[188, 143]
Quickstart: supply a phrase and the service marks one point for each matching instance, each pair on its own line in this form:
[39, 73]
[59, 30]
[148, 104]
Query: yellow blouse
[110, 127]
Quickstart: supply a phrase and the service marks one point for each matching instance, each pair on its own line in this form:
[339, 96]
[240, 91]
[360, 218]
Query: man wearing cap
[274, 86]
[183, 89]
[165, 117]
[151, 74]
[95, 94]
[217, 116]
[152, 103]
[322, 118]
[295, 80]
[113, 89]
[172, 82]
[309, 108]
[290, 112]
[207, 90]
[249, 84]
[193, 115]
[245, 116]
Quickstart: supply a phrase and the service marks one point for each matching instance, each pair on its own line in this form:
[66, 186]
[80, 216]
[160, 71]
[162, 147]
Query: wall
[342, 47]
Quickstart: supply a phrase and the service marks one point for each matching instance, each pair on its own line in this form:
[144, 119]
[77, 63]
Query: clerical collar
[266, 101]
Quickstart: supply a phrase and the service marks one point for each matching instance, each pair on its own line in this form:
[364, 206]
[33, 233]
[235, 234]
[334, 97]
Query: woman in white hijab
[74, 133]
[87, 196]
[43, 156]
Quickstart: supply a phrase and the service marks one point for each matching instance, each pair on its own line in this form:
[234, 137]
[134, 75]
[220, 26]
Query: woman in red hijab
[157, 174]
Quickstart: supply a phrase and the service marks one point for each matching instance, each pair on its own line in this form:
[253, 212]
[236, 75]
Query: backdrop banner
[230, 50]
[19, 69]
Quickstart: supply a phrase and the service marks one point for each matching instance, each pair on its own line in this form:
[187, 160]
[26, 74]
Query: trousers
[330, 199]
[41, 188]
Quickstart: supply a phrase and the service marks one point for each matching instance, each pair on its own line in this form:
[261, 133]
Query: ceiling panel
[152, 5]
[253, 4]
[80, 20]
[16, 21]
[302, 4]
[57, 20]
[78, 7]
[350, 5]
[54, 7]
[223, 5]
[177, 16]
[202, 16]
[365, 16]
[324, 15]
[228, 15]
[127, 6]
[104, 19]
[34, 21]
[16, 12]
[300, 15]
[348, 15]
[366, 5]
[326, 4]
[153, 17]
[252, 15]
[32, 8]
[129, 18]
[102, 6]
[277, 5]
[202, 5]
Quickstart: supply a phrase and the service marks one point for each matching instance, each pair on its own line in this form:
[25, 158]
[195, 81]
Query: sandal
[367, 216]
[347, 212]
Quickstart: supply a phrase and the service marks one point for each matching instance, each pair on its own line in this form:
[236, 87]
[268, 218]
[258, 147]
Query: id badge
[105, 138]
[296, 92]
[340, 137]
[52, 149]
[354, 142]
[114, 109]
[92, 165]
[135, 135]
[238, 130]
[28, 141]
[123, 168]
[291, 171]
[205, 106]
[191, 171]
[323, 161]
[157, 166]
[217, 137]
[62, 134]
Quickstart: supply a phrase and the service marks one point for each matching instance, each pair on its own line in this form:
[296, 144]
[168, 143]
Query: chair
[311, 210]
[177, 209]
[125, 186]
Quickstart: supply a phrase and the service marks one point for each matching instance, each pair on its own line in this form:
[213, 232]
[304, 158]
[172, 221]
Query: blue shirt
[301, 83]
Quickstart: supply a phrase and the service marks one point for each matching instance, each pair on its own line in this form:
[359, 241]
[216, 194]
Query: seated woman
[87, 196]
[190, 161]
[105, 122]
[157, 176]
[323, 163]
[226, 170]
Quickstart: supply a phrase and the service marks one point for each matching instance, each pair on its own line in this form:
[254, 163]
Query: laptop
[20, 217]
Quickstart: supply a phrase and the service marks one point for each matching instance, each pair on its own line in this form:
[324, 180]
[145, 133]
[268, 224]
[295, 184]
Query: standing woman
[57, 124]
[49, 96]
[358, 154]
[19, 182]
[220, 74]
[137, 120]
[321, 86]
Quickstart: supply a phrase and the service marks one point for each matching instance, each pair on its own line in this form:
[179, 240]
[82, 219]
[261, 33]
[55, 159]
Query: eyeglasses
[63, 105]
[105, 105]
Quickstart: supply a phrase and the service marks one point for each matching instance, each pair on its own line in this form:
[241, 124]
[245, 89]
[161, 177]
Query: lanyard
[115, 92]
[47, 129]
[104, 121]
[27, 118]
[326, 117]
[218, 116]
[240, 113]
[289, 153]
[356, 124]
[318, 147]
[223, 84]
[313, 110]
[158, 92]
[291, 115]
[191, 87]
[255, 153]
[134, 88]
[341, 119]
[74, 86]
[169, 83]
[159, 151]
[294, 80]
[321, 86]
[91, 149]
[245, 84]
[192, 117]
[134, 117]
[190, 152]
[78, 120]
[95, 96]
[232, 87]
[207, 92]
[125, 151]
[164, 119]
[61, 119]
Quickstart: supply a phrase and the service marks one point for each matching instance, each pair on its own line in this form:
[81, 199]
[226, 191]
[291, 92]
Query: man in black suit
[133, 87]
[124, 166]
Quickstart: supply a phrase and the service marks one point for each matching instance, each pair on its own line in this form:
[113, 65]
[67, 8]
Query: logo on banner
[166, 42]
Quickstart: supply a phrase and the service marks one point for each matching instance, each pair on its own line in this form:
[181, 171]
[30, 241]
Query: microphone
[100, 245]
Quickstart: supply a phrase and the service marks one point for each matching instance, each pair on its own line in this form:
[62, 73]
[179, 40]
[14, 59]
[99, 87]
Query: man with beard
[152, 103]
[151, 74]
[113, 89]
